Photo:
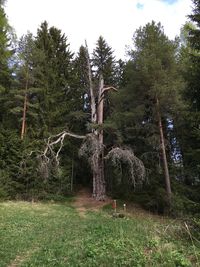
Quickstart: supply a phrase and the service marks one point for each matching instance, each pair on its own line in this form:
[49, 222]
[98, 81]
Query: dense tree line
[155, 113]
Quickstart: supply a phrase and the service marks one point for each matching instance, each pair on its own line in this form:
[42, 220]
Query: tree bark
[101, 188]
[162, 143]
[97, 118]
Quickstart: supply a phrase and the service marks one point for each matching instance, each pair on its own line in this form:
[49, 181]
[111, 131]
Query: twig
[191, 238]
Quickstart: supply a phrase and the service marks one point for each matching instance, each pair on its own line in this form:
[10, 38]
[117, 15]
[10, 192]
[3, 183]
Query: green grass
[53, 234]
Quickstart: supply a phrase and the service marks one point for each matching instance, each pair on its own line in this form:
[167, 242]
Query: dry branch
[103, 91]
[50, 156]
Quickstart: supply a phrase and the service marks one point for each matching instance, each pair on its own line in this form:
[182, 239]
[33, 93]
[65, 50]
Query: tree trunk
[92, 97]
[101, 190]
[162, 143]
[97, 118]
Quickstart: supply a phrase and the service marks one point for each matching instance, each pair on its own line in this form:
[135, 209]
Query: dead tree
[99, 187]
[97, 110]
[93, 146]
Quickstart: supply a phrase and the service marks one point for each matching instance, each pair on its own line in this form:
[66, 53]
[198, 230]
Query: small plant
[180, 260]
[153, 243]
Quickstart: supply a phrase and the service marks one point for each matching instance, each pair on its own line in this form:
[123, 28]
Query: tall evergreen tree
[104, 61]
[194, 41]
[81, 80]
[190, 138]
[151, 96]
[51, 70]
[5, 56]
[22, 104]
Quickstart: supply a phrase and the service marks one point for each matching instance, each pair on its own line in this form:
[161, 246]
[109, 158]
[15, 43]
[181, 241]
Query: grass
[54, 234]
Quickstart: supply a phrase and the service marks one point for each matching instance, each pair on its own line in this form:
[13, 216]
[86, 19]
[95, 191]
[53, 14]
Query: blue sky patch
[169, 2]
[140, 6]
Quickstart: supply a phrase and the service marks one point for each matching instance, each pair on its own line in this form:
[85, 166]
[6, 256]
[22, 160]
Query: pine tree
[22, 104]
[150, 96]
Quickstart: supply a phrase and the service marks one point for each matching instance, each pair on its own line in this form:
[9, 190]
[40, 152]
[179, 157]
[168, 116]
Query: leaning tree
[93, 144]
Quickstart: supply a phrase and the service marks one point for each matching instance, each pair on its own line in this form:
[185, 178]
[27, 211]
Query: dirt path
[84, 202]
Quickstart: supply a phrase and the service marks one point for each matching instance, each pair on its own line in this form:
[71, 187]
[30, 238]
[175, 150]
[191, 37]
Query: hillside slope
[56, 234]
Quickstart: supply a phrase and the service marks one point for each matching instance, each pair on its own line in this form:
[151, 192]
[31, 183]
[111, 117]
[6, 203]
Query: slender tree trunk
[24, 109]
[72, 173]
[101, 179]
[162, 143]
[92, 97]
[95, 160]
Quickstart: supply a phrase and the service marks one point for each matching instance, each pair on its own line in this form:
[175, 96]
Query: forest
[100, 157]
[125, 129]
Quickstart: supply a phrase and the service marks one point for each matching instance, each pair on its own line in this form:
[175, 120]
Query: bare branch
[109, 88]
[104, 90]
[50, 156]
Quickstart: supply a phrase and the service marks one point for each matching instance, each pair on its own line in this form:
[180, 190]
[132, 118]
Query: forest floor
[83, 232]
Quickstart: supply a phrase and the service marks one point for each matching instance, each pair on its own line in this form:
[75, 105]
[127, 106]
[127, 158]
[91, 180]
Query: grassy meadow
[56, 234]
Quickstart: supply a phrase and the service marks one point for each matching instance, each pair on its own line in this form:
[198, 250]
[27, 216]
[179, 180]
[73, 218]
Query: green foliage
[48, 84]
[104, 61]
[182, 206]
[150, 75]
[5, 56]
[189, 135]
[10, 158]
[5, 185]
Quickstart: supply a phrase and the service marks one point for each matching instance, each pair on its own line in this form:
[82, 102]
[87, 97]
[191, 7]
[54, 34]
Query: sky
[115, 20]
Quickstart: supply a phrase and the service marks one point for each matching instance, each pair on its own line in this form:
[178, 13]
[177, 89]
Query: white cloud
[116, 20]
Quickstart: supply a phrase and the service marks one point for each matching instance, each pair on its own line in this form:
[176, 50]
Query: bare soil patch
[84, 202]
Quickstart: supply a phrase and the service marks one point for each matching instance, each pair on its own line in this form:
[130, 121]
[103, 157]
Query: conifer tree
[190, 59]
[104, 61]
[23, 105]
[51, 70]
[81, 81]
[5, 55]
[151, 95]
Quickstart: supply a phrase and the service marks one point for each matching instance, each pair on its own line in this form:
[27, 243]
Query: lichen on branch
[134, 164]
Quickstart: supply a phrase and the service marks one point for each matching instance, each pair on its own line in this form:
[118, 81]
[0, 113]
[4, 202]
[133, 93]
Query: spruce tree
[103, 61]
[5, 56]
[81, 81]
[51, 70]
